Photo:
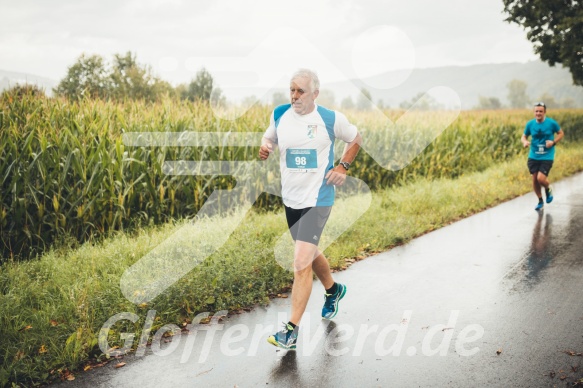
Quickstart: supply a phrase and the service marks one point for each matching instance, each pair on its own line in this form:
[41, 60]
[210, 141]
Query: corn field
[68, 177]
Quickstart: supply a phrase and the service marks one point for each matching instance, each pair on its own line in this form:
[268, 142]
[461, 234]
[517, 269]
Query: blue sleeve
[527, 129]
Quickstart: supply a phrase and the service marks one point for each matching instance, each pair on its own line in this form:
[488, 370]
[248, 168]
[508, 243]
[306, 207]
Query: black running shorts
[307, 224]
[543, 166]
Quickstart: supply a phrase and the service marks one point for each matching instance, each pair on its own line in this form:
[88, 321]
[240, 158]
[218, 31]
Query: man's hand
[265, 150]
[549, 143]
[336, 176]
[524, 140]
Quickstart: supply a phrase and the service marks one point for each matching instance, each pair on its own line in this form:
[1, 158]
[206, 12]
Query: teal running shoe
[330, 308]
[549, 193]
[285, 338]
[539, 206]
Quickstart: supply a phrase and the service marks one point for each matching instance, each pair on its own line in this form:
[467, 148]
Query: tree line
[519, 99]
[126, 79]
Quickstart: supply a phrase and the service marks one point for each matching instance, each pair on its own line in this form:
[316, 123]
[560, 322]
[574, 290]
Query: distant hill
[9, 79]
[470, 82]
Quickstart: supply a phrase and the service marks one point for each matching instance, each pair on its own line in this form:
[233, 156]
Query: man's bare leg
[321, 268]
[542, 181]
[302, 287]
[536, 185]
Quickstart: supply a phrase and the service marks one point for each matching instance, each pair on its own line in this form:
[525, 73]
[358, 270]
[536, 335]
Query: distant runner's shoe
[549, 193]
[539, 206]
[330, 308]
[286, 338]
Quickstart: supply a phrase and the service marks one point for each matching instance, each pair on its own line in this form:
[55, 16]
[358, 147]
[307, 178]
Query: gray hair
[309, 74]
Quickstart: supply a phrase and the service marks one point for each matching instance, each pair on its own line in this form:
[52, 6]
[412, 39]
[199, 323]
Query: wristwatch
[346, 165]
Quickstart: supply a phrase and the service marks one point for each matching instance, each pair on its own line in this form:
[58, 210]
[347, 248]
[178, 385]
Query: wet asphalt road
[493, 300]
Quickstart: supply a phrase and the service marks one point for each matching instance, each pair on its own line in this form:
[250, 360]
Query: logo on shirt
[312, 131]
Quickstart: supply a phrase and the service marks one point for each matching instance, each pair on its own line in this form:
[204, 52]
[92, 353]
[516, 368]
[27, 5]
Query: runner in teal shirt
[542, 130]
[541, 133]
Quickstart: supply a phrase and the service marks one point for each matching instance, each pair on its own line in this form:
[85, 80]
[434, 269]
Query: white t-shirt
[306, 146]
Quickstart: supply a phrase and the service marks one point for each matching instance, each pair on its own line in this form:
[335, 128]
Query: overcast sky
[262, 40]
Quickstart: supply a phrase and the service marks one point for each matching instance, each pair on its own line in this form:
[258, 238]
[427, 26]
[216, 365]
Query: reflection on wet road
[539, 255]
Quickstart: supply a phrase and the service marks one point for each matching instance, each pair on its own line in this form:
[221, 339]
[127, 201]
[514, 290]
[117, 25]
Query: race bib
[301, 160]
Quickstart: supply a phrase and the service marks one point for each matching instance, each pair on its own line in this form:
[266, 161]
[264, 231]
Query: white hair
[309, 74]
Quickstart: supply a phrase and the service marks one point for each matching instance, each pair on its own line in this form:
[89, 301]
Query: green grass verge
[52, 308]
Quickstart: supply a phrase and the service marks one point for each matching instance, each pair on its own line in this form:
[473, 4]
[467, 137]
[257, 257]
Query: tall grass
[66, 172]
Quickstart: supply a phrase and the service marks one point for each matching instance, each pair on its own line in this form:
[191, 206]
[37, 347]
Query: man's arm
[551, 143]
[524, 141]
[266, 148]
[337, 175]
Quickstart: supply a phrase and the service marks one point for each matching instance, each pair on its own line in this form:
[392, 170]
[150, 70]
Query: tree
[347, 103]
[422, 101]
[181, 90]
[549, 100]
[489, 103]
[19, 91]
[555, 27]
[517, 94]
[326, 98]
[133, 81]
[567, 103]
[86, 78]
[126, 79]
[364, 101]
[201, 87]
[160, 88]
[217, 99]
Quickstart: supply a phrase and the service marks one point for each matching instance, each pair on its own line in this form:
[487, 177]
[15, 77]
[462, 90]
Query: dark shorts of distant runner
[307, 224]
[543, 166]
